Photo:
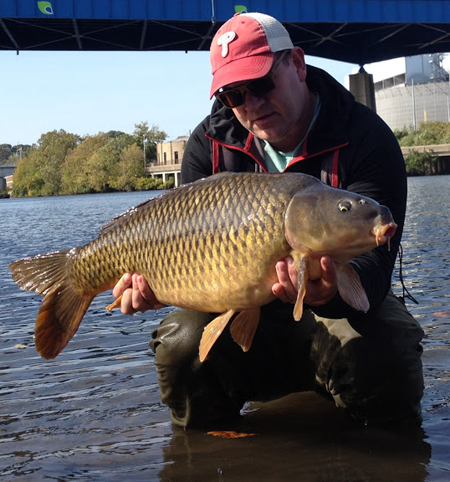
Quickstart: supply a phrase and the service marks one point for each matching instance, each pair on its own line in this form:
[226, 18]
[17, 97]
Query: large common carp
[211, 246]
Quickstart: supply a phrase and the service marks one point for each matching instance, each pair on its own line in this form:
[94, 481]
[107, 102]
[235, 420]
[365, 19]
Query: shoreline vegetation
[61, 163]
[428, 133]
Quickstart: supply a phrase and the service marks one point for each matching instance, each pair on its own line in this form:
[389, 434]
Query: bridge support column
[362, 87]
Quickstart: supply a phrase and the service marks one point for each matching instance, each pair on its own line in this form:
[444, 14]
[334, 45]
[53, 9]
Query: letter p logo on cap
[224, 40]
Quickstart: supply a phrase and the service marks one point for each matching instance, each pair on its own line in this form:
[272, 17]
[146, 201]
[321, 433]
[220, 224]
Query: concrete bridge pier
[362, 87]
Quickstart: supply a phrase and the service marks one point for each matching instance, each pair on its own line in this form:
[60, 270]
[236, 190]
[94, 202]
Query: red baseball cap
[243, 48]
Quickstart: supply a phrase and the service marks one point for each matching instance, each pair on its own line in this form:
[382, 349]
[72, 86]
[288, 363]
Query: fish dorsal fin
[121, 217]
[212, 331]
[303, 277]
[351, 289]
[244, 327]
[219, 175]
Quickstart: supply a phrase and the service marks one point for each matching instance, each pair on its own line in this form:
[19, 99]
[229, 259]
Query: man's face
[277, 116]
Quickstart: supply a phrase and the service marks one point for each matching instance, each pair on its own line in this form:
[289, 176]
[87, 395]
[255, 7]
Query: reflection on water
[94, 412]
[316, 443]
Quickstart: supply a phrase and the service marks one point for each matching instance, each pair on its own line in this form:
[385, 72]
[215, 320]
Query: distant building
[412, 90]
[171, 152]
[9, 182]
[168, 159]
[7, 170]
[6, 177]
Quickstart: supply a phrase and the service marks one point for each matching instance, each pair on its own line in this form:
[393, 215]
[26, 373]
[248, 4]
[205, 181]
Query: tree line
[428, 133]
[64, 163]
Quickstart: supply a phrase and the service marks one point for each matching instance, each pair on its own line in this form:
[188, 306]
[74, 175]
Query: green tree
[149, 183]
[426, 134]
[64, 163]
[74, 171]
[152, 137]
[28, 180]
[51, 154]
[112, 134]
[420, 163]
[39, 172]
[121, 142]
[5, 152]
[99, 168]
[129, 168]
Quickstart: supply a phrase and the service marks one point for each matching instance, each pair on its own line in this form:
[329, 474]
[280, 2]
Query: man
[275, 114]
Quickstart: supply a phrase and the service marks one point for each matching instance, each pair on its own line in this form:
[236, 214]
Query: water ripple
[94, 412]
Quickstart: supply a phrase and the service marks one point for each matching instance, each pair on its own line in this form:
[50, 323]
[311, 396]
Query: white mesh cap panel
[277, 36]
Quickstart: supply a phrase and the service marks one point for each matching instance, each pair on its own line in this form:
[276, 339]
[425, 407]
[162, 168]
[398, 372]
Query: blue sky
[90, 92]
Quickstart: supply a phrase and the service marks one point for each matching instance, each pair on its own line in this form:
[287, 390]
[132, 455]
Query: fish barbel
[211, 246]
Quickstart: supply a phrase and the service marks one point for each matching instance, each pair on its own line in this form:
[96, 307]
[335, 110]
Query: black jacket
[349, 147]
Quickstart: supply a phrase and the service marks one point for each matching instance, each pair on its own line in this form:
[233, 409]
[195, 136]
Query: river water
[94, 412]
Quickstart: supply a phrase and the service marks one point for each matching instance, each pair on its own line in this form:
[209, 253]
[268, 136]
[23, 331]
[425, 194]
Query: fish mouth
[384, 232]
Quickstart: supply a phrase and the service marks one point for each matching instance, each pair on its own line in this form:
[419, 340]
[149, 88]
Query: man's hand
[136, 294]
[318, 291]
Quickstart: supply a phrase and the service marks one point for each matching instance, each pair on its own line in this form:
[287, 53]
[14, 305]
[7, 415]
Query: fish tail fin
[58, 319]
[62, 308]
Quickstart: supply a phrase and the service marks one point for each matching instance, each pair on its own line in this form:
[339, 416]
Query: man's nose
[253, 101]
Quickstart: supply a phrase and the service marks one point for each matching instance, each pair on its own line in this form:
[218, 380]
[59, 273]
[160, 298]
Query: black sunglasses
[235, 97]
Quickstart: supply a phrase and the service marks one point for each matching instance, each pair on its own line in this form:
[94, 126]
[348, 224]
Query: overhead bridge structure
[356, 31]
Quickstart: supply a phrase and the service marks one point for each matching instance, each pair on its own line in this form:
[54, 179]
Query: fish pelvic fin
[243, 327]
[62, 308]
[212, 331]
[351, 289]
[303, 277]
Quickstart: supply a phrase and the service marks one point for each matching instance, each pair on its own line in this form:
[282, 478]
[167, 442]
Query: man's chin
[269, 134]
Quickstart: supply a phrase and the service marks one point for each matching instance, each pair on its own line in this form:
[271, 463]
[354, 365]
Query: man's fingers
[285, 289]
[123, 284]
[145, 290]
[126, 306]
[148, 294]
[142, 297]
[329, 274]
[322, 290]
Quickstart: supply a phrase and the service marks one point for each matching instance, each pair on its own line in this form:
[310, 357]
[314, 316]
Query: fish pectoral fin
[303, 277]
[244, 327]
[212, 331]
[115, 304]
[351, 289]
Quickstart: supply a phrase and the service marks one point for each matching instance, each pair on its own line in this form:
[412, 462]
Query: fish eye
[345, 206]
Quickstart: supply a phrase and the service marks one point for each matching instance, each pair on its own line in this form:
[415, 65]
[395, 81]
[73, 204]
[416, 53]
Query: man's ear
[298, 59]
